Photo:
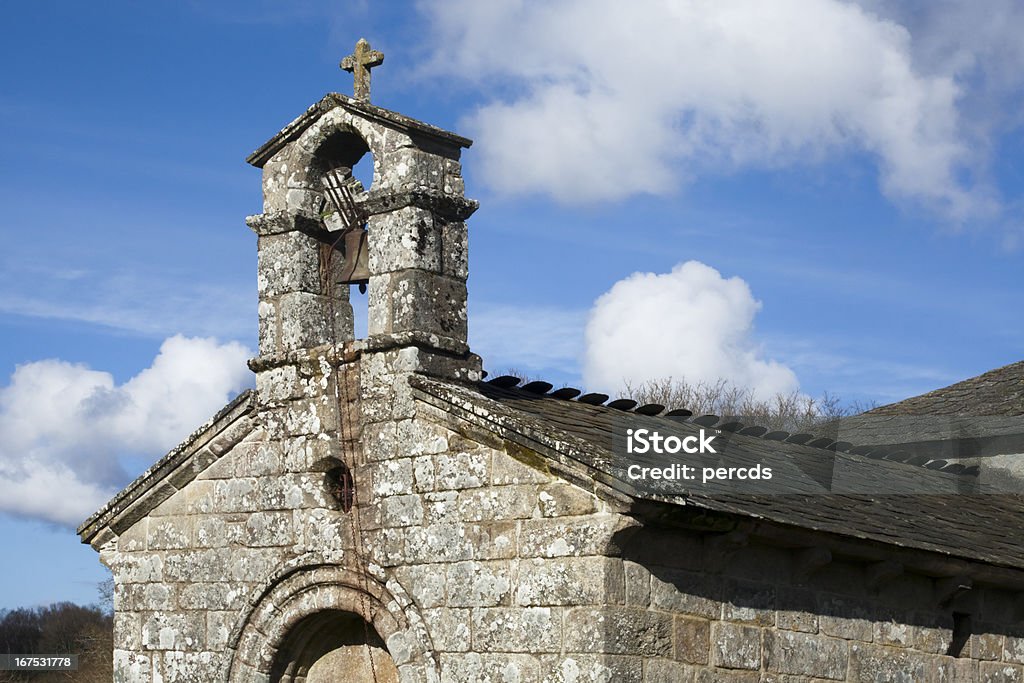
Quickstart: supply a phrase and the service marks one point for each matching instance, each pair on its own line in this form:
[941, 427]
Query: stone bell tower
[404, 238]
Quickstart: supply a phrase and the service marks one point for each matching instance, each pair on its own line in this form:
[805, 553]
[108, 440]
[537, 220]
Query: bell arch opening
[342, 167]
[330, 646]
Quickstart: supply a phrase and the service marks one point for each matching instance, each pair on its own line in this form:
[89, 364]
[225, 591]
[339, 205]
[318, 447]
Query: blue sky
[847, 177]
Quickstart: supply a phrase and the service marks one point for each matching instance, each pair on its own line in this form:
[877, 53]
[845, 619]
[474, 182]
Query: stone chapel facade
[375, 511]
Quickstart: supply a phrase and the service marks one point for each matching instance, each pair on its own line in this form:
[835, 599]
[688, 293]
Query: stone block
[212, 595]
[735, 647]
[586, 668]
[438, 543]
[449, 628]
[423, 473]
[254, 565]
[590, 535]
[1013, 648]
[570, 581]
[426, 584]
[506, 629]
[233, 495]
[322, 530]
[267, 328]
[418, 437]
[169, 532]
[497, 502]
[507, 470]
[479, 584]
[137, 568]
[561, 499]
[933, 635]
[405, 239]
[185, 566]
[380, 441]
[729, 676]
[399, 511]
[134, 538]
[269, 529]
[845, 618]
[689, 593]
[638, 584]
[996, 672]
[692, 639]
[986, 645]
[419, 301]
[174, 631]
[893, 633]
[127, 630]
[493, 540]
[871, 663]
[618, 630]
[805, 654]
[278, 384]
[392, 478]
[455, 252]
[186, 667]
[304, 320]
[287, 262]
[749, 603]
[218, 531]
[658, 670]
[130, 667]
[462, 470]
[473, 667]
[797, 610]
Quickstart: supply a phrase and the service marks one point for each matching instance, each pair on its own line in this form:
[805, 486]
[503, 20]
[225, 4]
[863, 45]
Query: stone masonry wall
[184, 573]
[523, 577]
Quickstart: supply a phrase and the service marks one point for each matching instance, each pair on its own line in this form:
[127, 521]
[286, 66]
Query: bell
[355, 270]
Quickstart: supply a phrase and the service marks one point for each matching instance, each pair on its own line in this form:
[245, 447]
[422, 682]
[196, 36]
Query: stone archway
[314, 620]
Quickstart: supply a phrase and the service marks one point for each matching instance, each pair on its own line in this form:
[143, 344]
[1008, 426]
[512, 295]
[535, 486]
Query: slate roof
[914, 506]
[978, 417]
[996, 392]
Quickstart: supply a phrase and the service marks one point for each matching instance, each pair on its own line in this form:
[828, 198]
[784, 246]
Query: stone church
[378, 510]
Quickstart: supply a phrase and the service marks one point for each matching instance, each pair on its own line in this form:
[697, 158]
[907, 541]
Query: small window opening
[340, 486]
[961, 634]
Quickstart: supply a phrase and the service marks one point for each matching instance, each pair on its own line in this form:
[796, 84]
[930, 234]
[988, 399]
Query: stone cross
[359, 63]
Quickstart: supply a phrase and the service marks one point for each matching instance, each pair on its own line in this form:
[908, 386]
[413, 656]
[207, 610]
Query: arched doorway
[325, 623]
[333, 646]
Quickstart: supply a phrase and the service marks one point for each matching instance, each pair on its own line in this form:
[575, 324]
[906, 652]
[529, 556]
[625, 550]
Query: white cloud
[63, 426]
[600, 99]
[690, 324]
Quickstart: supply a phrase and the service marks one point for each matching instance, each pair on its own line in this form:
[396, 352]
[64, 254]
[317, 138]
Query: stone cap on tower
[380, 115]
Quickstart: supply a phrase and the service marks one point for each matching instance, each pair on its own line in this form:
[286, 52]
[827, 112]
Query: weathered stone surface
[570, 581]
[692, 639]
[505, 629]
[479, 584]
[805, 654]
[736, 647]
[618, 630]
[686, 593]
